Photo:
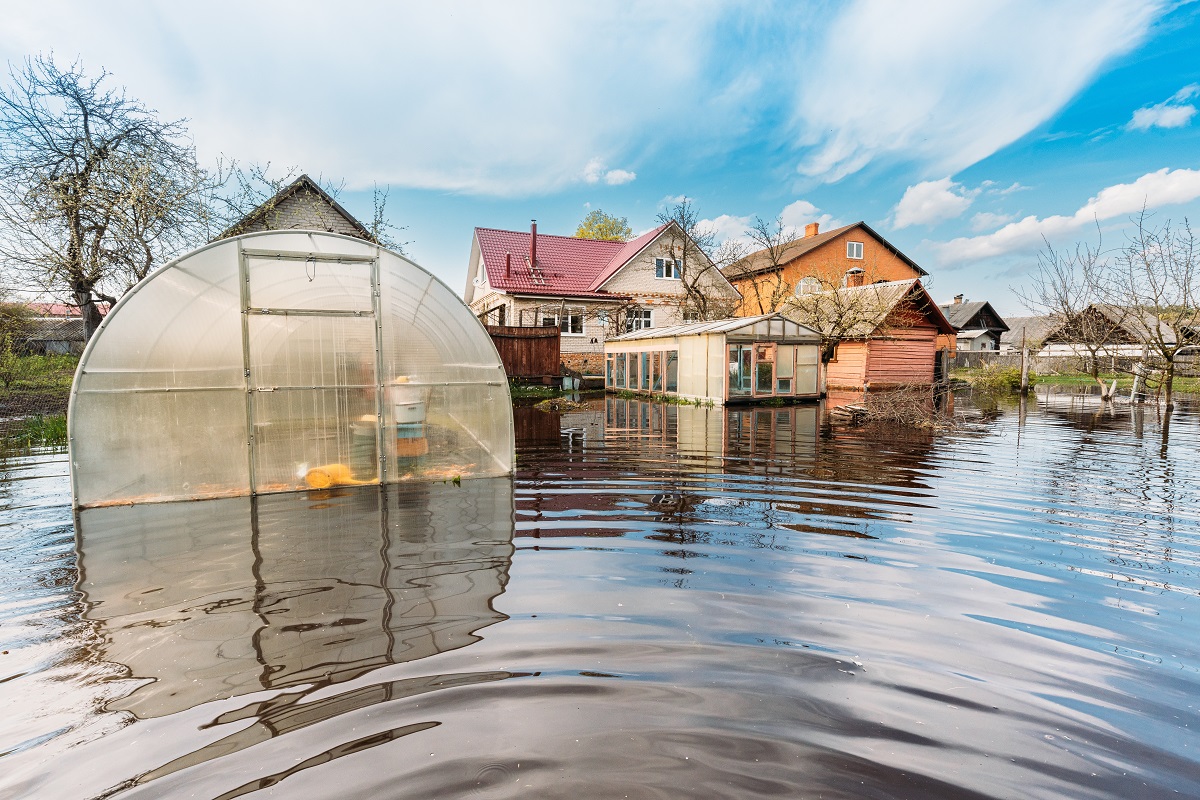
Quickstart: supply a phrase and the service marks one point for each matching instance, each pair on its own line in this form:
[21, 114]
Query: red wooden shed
[889, 338]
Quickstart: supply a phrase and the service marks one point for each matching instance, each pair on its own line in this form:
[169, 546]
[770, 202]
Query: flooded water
[666, 602]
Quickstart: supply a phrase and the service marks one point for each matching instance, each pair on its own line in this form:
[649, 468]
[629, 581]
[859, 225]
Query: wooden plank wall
[847, 371]
[527, 352]
[905, 358]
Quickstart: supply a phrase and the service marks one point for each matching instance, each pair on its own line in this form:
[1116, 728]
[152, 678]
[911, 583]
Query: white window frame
[572, 314]
[639, 320]
[667, 269]
[854, 250]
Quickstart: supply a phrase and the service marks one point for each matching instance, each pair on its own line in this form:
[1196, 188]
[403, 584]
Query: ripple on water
[666, 602]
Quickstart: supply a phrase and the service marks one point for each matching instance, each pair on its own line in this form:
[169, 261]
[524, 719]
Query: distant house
[1033, 329]
[56, 328]
[741, 359]
[301, 205]
[589, 289]
[767, 282]
[977, 326]
[887, 337]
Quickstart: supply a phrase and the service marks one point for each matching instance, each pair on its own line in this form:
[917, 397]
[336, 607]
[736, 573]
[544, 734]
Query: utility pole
[1024, 365]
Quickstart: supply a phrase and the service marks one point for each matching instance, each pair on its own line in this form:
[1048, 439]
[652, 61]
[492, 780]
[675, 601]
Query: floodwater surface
[666, 602]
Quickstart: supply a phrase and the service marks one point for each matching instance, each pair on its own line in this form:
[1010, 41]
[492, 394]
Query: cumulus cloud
[492, 99]
[931, 202]
[952, 83]
[1153, 190]
[595, 171]
[986, 219]
[1174, 112]
[801, 212]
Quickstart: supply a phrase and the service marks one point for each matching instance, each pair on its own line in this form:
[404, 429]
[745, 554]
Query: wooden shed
[888, 338]
[723, 361]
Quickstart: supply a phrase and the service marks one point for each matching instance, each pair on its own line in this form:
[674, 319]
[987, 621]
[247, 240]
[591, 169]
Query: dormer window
[668, 268]
[854, 250]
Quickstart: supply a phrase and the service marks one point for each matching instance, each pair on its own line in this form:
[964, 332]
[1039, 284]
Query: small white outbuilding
[723, 361]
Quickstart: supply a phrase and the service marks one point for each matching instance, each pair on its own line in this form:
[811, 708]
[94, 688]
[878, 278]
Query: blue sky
[962, 132]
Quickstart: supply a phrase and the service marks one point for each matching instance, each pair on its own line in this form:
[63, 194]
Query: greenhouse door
[312, 352]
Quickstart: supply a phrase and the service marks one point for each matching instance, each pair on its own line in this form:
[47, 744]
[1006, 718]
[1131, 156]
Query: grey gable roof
[303, 183]
[961, 315]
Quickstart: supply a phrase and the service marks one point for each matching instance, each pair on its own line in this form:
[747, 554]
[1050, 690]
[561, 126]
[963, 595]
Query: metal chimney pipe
[533, 243]
[508, 264]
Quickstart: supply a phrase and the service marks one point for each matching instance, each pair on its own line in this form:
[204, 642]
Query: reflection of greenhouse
[275, 361]
[217, 599]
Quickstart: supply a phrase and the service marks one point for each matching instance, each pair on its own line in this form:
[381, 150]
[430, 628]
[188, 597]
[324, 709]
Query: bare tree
[1155, 279]
[692, 250]
[764, 285]
[846, 313]
[1069, 286]
[95, 189]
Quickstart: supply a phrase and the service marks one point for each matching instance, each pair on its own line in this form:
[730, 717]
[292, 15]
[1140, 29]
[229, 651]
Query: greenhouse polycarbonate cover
[285, 361]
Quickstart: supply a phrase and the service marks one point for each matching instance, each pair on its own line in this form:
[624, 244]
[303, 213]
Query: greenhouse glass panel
[284, 361]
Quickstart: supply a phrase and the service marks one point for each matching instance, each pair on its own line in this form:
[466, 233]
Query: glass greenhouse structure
[282, 361]
[723, 361]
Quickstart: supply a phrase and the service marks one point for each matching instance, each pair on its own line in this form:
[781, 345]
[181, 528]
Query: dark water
[691, 603]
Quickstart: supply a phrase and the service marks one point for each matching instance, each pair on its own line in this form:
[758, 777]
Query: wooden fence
[527, 353]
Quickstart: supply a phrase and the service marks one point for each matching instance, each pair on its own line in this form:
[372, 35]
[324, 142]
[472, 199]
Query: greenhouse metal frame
[281, 361]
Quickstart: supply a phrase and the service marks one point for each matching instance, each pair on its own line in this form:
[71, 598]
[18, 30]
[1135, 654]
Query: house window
[639, 319]
[667, 268]
[854, 250]
[572, 321]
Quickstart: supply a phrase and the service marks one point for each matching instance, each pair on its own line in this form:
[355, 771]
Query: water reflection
[219, 598]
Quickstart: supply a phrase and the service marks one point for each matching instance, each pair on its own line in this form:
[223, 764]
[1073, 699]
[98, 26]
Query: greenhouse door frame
[308, 257]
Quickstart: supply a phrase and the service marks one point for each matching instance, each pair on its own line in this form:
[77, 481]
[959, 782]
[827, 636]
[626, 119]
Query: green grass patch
[37, 431]
[35, 384]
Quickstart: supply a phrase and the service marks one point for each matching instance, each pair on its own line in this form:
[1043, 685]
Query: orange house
[767, 280]
[887, 340]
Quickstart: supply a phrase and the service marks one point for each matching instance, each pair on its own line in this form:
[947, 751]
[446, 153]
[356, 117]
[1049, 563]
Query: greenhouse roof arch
[282, 361]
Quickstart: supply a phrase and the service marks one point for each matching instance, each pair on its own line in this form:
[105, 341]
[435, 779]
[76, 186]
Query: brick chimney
[958, 298]
[811, 229]
[532, 242]
[855, 277]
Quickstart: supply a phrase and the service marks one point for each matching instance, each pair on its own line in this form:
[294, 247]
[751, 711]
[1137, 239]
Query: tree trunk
[1168, 383]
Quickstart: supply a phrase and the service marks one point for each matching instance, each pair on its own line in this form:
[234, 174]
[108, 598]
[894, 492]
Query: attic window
[667, 268]
[854, 250]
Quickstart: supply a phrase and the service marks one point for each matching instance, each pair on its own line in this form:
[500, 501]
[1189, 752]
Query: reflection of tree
[218, 598]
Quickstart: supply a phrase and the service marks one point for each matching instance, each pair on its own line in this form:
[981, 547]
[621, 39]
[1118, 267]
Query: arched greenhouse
[284, 361]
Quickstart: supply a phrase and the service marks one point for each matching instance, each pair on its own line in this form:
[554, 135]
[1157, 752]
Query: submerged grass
[36, 431]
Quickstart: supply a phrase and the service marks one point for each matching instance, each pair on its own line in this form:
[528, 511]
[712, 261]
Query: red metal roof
[566, 266]
[61, 309]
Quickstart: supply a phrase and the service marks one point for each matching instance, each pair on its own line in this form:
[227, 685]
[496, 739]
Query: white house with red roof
[588, 288]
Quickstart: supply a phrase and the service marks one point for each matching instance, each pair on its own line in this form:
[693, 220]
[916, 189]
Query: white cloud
[1152, 190]
[616, 177]
[950, 83]
[802, 212]
[931, 202]
[986, 219]
[1171, 113]
[595, 171]
[499, 99]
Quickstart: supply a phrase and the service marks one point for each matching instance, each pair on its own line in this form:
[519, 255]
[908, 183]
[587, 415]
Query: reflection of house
[766, 283]
[731, 360]
[888, 335]
[226, 597]
[977, 326]
[589, 289]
